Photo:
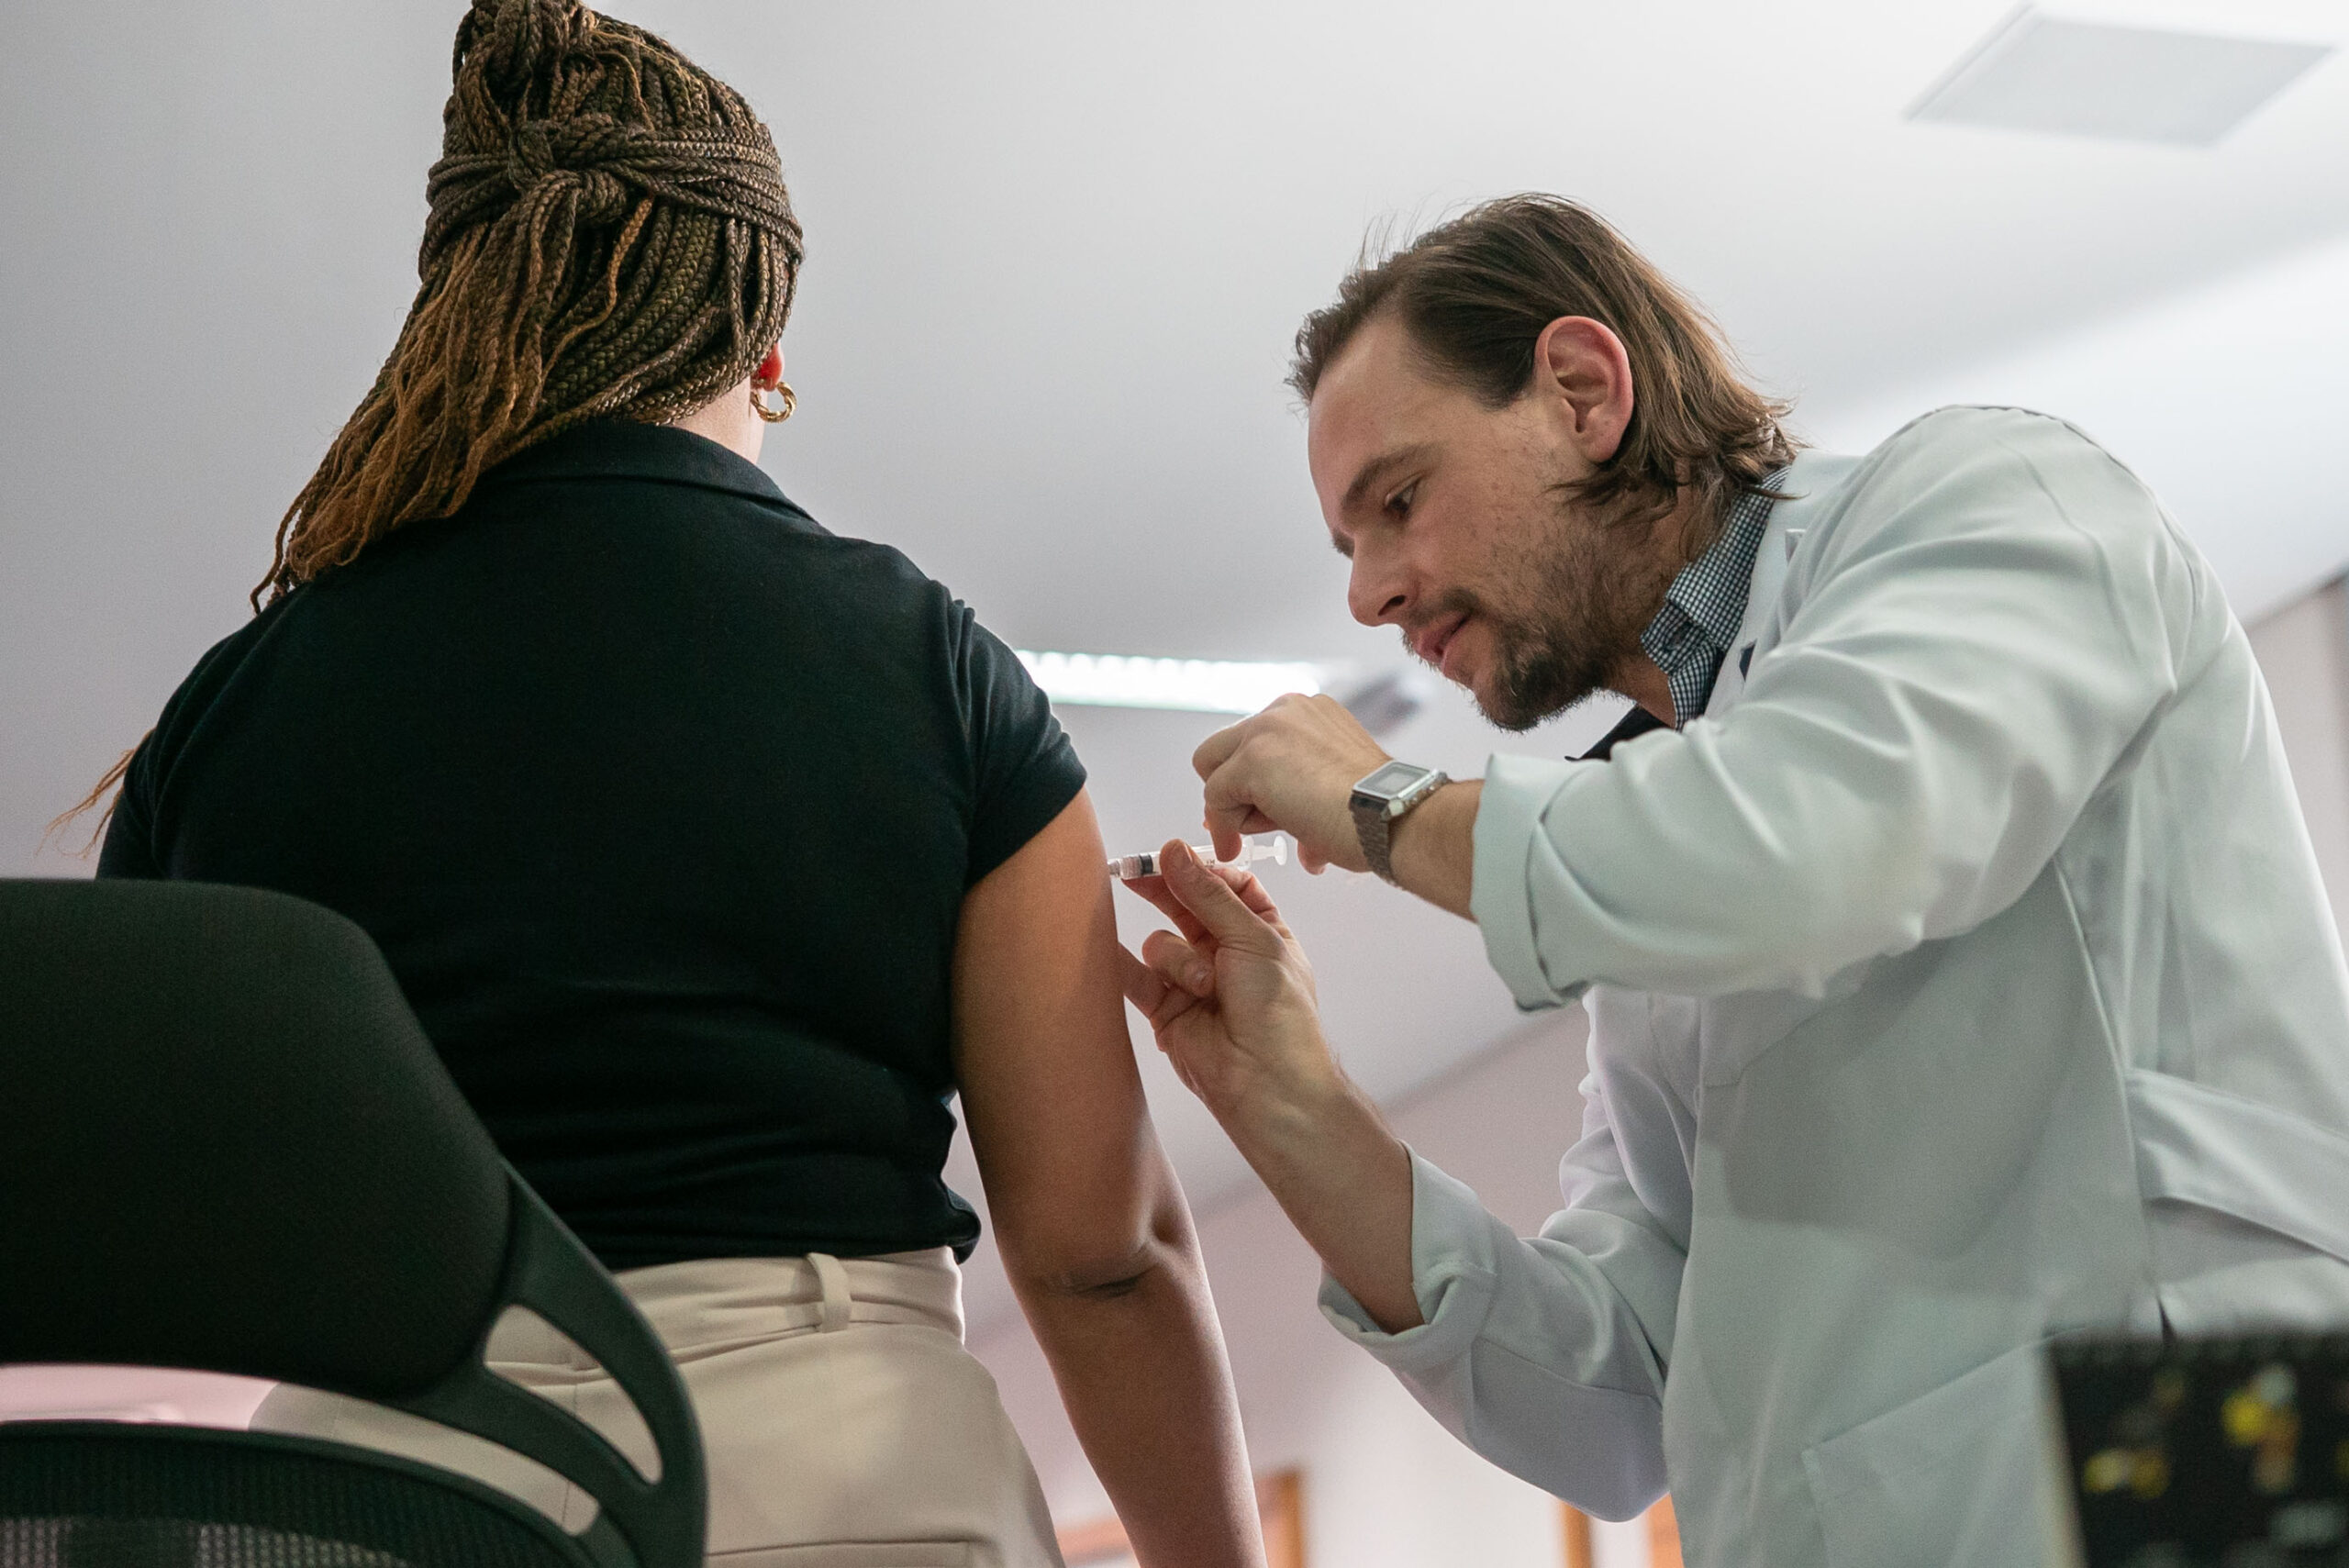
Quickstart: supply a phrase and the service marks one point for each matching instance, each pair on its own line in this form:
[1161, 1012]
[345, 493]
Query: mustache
[1443, 606]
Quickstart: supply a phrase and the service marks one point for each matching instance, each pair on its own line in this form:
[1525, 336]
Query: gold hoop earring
[774, 416]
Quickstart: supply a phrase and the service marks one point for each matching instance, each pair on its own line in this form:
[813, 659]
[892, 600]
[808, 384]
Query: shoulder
[676, 538]
[1975, 490]
[1981, 470]
[1957, 426]
[868, 564]
[875, 587]
[1993, 447]
[220, 663]
[881, 597]
[197, 695]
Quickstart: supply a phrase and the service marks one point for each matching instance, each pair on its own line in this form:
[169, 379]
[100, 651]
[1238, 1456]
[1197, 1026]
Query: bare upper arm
[1050, 1089]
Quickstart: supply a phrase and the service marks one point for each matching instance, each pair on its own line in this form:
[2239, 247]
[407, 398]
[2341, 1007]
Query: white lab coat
[1962, 977]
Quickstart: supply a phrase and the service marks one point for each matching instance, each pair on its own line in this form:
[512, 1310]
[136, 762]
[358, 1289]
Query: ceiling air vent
[2037, 73]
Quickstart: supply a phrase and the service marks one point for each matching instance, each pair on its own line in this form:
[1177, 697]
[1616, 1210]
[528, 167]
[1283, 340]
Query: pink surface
[128, 1394]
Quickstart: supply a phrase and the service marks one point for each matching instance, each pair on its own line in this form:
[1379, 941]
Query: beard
[1579, 595]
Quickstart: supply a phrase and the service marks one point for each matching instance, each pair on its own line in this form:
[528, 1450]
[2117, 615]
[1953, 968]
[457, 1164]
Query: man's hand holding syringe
[1229, 997]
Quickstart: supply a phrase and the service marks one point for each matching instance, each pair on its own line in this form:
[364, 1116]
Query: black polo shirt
[661, 801]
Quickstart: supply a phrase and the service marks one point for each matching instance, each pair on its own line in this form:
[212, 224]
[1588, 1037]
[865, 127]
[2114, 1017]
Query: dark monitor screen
[2231, 1451]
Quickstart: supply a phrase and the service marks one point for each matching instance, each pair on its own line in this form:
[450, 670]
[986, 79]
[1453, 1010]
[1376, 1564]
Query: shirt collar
[1706, 604]
[624, 448]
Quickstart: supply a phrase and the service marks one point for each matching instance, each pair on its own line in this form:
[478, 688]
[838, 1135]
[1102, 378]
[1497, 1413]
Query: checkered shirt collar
[1706, 604]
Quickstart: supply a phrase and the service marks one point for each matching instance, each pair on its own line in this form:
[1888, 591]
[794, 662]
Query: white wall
[2303, 651]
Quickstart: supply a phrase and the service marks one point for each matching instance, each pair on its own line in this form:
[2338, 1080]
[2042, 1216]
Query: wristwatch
[1380, 798]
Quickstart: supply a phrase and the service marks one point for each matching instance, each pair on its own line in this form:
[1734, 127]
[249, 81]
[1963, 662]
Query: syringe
[1275, 847]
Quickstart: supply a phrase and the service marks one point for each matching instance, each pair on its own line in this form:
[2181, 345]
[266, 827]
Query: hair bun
[513, 43]
[577, 154]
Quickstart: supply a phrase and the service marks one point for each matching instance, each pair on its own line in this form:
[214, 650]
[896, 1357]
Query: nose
[1378, 591]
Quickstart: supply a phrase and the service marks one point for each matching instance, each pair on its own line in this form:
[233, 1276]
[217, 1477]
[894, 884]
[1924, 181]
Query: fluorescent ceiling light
[1192, 685]
[2035, 72]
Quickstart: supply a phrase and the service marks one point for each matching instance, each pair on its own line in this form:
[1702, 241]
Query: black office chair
[225, 1145]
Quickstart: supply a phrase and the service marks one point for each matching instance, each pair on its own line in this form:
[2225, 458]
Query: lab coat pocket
[1961, 1475]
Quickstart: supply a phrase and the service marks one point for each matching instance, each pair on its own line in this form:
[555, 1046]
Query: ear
[1583, 368]
[769, 371]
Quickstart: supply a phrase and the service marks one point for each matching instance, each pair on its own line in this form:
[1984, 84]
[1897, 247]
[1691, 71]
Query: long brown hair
[608, 237]
[1476, 294]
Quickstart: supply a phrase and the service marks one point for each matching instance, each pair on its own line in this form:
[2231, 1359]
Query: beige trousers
[845, 1424]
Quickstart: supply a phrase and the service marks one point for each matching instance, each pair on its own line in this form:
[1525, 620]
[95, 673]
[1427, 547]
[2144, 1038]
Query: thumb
[1141, 984]
[1214, 905]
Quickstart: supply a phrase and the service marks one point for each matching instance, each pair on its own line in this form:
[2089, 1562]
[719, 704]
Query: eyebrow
[1379, 467]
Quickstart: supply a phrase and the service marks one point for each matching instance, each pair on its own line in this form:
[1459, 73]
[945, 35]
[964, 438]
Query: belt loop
[834, 1280]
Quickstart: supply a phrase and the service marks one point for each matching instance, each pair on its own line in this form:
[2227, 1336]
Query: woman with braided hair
[716, 853]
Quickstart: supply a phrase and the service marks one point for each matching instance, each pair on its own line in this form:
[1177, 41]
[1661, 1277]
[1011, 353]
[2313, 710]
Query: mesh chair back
[95, 1494]
[230, 1147]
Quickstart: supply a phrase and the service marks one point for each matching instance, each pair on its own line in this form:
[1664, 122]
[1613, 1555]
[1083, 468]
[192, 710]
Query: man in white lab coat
[1957, 968]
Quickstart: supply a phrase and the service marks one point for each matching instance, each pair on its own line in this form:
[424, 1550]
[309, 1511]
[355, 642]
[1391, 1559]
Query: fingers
[1178, 964]
[1290, 768]
[1166, 983]
[1251, 893]
[1141, 983]
[1160, 1004]
[1229, 815]
[1217, 748]
[1225, 815]
[1217, 903]
[1229, 811]
[1259, 902]
[1224, 830]
[1155, 890]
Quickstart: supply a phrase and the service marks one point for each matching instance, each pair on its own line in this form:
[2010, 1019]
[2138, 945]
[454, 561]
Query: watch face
[1392, 780]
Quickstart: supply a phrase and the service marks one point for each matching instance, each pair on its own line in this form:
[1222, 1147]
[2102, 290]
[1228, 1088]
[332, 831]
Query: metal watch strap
[1376, 829]
[1374, 821]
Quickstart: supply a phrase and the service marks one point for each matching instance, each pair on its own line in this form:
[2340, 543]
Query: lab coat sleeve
[1995, 612]
[1541, 1353]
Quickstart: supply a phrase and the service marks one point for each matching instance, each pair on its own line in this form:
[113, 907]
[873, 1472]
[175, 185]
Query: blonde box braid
[608, 237]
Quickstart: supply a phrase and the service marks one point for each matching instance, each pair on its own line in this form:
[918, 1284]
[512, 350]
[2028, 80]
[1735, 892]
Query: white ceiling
[1056, 250]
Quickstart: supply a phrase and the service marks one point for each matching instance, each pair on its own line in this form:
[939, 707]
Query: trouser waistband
[712, 1305]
